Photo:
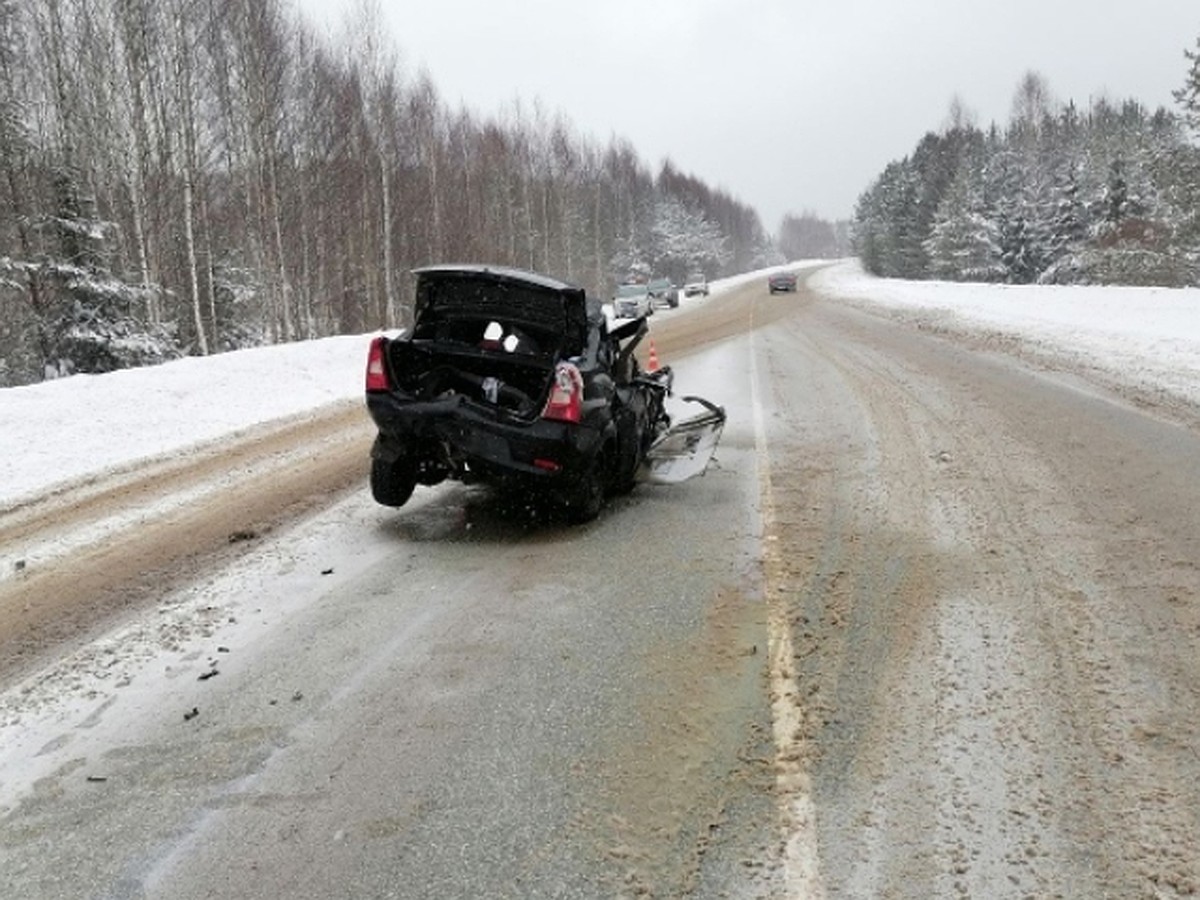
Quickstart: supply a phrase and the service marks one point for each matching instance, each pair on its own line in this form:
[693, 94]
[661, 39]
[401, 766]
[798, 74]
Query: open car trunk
[435, 369]
[489, 337]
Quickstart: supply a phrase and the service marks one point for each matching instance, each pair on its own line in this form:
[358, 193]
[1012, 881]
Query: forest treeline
[808, 236]
[186, 176]
[1109, 194]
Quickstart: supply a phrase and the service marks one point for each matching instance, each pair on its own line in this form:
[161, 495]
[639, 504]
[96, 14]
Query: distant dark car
[664, 293]
[782, 281]
[514, 379]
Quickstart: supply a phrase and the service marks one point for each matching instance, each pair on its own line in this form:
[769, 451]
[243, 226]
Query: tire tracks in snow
[78, 558]
[798, 825]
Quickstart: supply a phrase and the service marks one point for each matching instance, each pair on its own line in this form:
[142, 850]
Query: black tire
[392, 483]
[587, 497]
[626, 456]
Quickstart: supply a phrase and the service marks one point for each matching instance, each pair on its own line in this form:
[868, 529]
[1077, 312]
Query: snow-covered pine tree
[1007, 196]
[1183, 164]
[1016, 246]
[1066, 225]
[238, 301]
[1188, 96]
[1134, 241]
[86, 322]
[1116, 195]
[1110, 196]
[1178, 174]
[1068, 230]
[904, 257]
[964, 242]
[867, 229]
[935, 163]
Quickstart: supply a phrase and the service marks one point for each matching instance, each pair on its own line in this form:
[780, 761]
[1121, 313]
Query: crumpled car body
[518, 380]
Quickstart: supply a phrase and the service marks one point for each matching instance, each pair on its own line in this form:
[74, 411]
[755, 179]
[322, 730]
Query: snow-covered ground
[75, 428]
[1144, 338]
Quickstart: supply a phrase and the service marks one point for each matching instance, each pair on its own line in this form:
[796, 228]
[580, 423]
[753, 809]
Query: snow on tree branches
[179, 177]
[1109, 195]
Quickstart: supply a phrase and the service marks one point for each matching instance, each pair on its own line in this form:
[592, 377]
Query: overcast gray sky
[789, 105]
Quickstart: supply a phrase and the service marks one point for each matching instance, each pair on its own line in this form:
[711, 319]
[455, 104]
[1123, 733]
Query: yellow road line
[798, 821]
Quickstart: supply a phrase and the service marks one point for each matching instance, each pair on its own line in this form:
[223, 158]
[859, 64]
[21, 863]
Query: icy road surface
[930, 627]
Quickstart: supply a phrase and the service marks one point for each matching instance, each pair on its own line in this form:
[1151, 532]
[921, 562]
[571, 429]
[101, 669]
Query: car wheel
[392, 483]
[627, 455]
[587, 497]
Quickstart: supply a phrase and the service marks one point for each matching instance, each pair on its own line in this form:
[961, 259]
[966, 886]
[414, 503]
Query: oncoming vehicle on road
[782, 282]
[696, 284]
[632, 300]
[516, 380]
[664, 293]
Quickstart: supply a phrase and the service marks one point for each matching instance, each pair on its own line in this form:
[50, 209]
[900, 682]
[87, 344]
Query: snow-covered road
[75, 428]
[990, 576]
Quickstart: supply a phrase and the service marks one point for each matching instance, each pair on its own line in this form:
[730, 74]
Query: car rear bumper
[462, 434]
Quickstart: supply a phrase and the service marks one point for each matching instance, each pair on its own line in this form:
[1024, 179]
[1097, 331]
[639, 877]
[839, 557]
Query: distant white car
[696, 284]
[631, 301]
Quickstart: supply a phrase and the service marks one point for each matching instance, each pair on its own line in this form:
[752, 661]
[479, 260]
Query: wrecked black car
[516, 380]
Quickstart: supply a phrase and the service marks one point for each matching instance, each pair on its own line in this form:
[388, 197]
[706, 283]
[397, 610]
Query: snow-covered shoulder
[1146, 337]
[84, 425]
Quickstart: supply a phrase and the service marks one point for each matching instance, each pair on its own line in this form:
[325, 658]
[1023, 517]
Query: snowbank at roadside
[1144, 337]
[76, 427]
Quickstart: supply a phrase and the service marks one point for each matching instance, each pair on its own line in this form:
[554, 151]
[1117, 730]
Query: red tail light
[566, 395]
[377, 376]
